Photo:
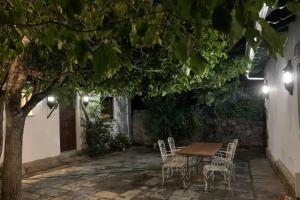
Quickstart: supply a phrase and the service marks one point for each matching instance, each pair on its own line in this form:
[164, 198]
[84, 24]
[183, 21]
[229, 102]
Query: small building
[50, 135]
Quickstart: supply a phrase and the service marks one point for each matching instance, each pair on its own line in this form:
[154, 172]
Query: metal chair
[224, 167]
[172, 147]
[173, 150]
[171, 163]
[221, 157]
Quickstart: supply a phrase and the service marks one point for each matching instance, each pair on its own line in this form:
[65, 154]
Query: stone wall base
[51, 162]
[293, 182]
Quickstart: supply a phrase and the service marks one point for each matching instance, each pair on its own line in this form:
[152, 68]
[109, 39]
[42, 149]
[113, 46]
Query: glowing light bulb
[51, 99]
[287, 77]
[85, 100]
[265, 89]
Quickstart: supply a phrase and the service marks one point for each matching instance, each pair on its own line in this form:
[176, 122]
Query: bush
[120, 142]
[98, 138]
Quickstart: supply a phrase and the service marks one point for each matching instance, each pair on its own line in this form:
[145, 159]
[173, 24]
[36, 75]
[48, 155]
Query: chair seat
[174, 163]
[220, 168]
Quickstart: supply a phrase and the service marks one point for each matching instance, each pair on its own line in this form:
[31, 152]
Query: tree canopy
[170, 45]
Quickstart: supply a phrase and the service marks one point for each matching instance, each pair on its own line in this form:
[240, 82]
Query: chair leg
[205, 180]
[183, 176]
[163, 175]
[168, 173]
[228, 181]
[233, 173]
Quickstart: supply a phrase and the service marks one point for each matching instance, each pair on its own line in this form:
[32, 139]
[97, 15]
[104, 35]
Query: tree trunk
[1, 122]
[12, 165]
[15, 120]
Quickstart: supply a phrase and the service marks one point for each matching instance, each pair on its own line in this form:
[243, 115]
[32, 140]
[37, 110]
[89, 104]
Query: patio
[135, 174]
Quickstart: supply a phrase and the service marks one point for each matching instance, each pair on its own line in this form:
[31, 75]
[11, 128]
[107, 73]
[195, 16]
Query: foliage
[99, 132]
[192, 115]
[98, 137]
[239, 104]
[120, 142]
[173, 115]
[143, 37]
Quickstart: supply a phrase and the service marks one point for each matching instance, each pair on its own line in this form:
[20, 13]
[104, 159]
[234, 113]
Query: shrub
[120, 142]
[98, 138]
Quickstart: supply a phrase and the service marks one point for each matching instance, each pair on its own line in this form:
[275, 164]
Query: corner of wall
[284, 174]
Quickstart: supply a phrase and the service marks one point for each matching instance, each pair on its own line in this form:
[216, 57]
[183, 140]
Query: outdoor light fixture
[85, 100]
[50, 101]
[265, 89]
[288, 77]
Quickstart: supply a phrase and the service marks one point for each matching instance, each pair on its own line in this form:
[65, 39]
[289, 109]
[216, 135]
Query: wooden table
[199, 150]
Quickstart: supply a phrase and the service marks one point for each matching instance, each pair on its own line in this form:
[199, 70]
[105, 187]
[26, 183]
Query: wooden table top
[200, 149]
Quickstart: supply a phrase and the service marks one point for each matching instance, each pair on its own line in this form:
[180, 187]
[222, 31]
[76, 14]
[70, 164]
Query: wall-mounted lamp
[85, 100]
[265, 89]
[288, 77]
[51, 101]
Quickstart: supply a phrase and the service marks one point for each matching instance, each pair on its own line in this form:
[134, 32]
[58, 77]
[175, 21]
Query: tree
[50, 44]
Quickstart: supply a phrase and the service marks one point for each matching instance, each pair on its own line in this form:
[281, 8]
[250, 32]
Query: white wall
[122, 115]
[79, 129]
[282, 108]
[41, 135]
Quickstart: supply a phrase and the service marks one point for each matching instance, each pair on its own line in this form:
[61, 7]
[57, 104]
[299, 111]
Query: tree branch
[71, 28]
[36, 98]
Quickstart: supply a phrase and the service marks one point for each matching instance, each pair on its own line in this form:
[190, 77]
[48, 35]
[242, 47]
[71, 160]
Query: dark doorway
[67, 125]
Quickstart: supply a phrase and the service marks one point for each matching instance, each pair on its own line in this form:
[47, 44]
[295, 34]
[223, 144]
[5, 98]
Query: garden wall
[250, 132]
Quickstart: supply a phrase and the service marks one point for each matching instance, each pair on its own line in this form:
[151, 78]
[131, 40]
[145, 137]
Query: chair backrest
[163, 151]
[172, 145]
[235, 143]
[229, 152]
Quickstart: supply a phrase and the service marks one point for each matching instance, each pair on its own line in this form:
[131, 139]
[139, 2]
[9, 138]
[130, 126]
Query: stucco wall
[41, 135]
[282, 108]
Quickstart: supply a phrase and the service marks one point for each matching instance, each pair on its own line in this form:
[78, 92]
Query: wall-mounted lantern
[51, 101]
[265, 89]
[288, 77]
[85, 100]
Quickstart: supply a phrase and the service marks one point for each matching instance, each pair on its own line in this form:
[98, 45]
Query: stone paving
[135, 174]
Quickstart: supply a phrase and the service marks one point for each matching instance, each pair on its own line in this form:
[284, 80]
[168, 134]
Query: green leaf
[181, 49]
[198, 64]
[48, 37]
[142, 28]
[105, 60]
[101, 60]
[121, 8]
[274, 40]
[236, 31]
[81, 50]
[294, 7]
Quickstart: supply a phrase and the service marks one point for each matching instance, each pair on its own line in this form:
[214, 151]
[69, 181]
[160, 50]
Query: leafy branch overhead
[107, 34]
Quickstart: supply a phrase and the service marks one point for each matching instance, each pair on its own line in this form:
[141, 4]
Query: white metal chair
[170, 163]
[224, 167]
[221, 157]
[172, 146]
[173, 150]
